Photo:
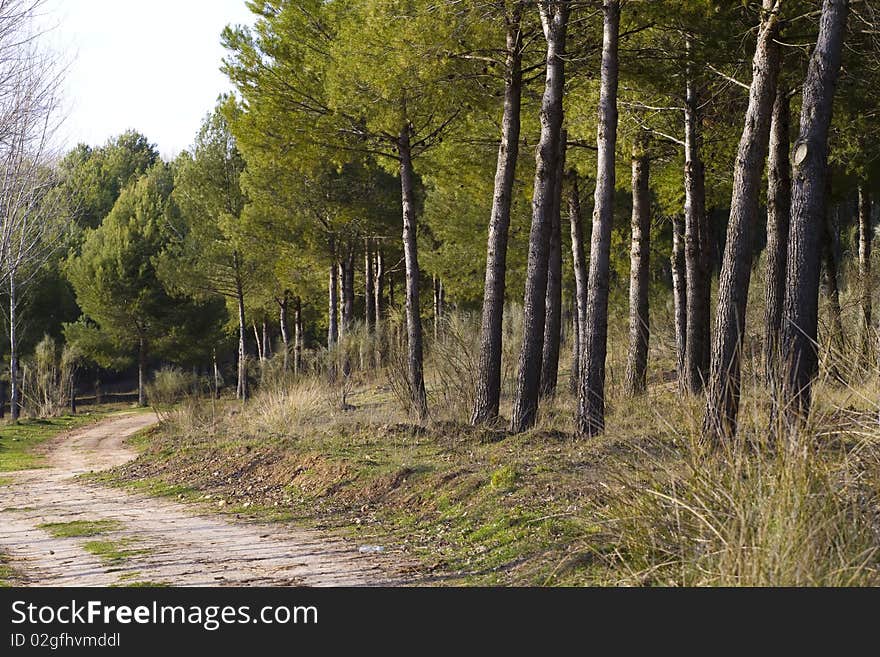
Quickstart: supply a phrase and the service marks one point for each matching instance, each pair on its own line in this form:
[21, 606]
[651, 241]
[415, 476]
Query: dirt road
[153, 540]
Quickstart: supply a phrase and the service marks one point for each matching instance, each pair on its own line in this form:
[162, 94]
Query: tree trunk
[410, 252]
[579, 265]
[333, 309]
[437, 310]
[679, 298]
[810, 163]
[369, 284]
[260, 356]
[267, 343]
[832, 281]
[553, 298]
[377, 307]
[285, 329]
[778, 217]
[591, 390]
[242, 388]
[346, 274]
[866, 234]
[297, 336]
[696, 246]
[142, 371]
[722, 404]
[554, 17]
[488, 391]
[14, 383]
[377, 288]
[216, 375]
[639, 270]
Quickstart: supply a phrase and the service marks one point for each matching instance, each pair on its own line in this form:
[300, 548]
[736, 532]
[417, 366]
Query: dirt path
[162, 541]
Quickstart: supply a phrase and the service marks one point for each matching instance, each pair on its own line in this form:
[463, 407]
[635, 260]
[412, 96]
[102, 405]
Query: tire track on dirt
[163, 541]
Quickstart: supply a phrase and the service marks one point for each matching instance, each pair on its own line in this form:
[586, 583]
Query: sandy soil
[168, 542]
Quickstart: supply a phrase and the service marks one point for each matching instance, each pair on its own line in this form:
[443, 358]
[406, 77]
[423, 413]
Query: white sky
[151, 65]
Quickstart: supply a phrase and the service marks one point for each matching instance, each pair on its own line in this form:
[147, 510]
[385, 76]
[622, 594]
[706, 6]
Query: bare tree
[30, 224]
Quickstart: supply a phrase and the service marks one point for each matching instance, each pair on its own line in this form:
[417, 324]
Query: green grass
[6, 572]
[137, 584]
[6, 481]
[482, 507]
[80, 528]
[112, 552]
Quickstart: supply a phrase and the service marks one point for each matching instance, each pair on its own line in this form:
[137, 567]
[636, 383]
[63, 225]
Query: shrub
[170, 385]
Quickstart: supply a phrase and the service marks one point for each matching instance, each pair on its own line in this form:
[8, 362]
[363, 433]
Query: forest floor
[298, 488]
[643, 504]
[61, 529]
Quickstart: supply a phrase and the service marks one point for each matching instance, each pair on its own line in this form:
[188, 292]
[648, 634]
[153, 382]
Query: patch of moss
[113, 552]
[80, 528]
[504, 478]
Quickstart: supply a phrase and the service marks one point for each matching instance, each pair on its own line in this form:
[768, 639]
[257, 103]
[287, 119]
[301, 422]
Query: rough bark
[579, 264]
[410, 251]
[488, 390]
[639, 269]
[810, 163]
[778, 216]
[697, 247]
[590, 418]
[554, 17]
[283, 323]
[553, 297]
[722, 403]
[866, 235]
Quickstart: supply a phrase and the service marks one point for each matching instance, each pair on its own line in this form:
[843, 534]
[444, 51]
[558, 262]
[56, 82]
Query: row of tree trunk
[796, 220]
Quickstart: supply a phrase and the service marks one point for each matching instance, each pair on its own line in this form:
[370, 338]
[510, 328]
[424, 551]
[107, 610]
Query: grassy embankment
[644, 504]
